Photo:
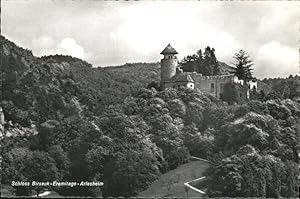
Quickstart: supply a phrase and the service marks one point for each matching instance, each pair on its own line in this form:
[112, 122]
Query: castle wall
[179, 84]
[212, 84]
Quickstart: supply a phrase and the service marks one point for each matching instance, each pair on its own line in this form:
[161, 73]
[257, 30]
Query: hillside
[64, 120]
[283, 87]
[34, 90]
[110, 85]
[95, 87]
[107, 85]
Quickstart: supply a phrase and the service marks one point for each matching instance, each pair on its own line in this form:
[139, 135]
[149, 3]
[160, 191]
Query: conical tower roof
[169, 50]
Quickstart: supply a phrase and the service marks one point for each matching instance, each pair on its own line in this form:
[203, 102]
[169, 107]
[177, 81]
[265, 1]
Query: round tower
[168, 64]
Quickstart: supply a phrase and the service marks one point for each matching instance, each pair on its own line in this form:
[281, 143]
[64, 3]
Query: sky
[107, 33]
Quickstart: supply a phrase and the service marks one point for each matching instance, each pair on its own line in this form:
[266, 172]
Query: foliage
[242, 65]
[176, 108]
[215, 117]
[25, 165]
[267, 149]
[205, 63]
[129, 172]
[72, 122]
[277, 110]
[249, 174]
[197, 144]
[194, 114]
[283, 88]
[234, 93]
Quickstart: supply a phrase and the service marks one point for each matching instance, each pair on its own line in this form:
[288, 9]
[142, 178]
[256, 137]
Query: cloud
[113, 33]
[145, 34]
[43, 42]
[46, 45]
[43, 45]
[281, 23]
[70, 47]
[275, 59]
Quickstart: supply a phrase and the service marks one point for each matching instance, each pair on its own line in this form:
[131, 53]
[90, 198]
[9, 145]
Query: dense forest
[67, 121]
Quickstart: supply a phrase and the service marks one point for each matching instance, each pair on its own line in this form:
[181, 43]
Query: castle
[172, 76]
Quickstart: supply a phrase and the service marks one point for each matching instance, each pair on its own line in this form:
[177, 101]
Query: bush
[176, 108]
[249, 174]
[215, 117]
[278, 111]
[234, 93]
[177, 157]
[167, 94]
[258, 107]
[194, 114]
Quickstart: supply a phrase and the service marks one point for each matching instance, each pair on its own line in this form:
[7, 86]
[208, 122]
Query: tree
[242, 65]
[215, 117]
[284, 88]
[189, 63]
[61, 159]
[198, 145]
[210, 61]
[234, 93]
[154, 85]
[205, 63]
[129, 173]
[251, 129]
[250, 174]
[21, 164]
[177, 108]
[194, 114]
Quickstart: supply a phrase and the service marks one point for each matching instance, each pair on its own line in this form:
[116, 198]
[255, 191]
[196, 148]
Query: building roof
[169, 50]
[181, 77]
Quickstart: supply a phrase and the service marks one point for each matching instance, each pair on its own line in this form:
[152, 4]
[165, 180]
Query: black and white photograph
[149, 99]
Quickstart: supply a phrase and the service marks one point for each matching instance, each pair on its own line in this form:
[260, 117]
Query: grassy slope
[171, 184]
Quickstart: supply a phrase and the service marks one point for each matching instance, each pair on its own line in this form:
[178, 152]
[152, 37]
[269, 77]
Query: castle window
[212, 87]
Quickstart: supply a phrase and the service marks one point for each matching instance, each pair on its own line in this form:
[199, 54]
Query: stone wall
[179, 84]
[212, 84]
